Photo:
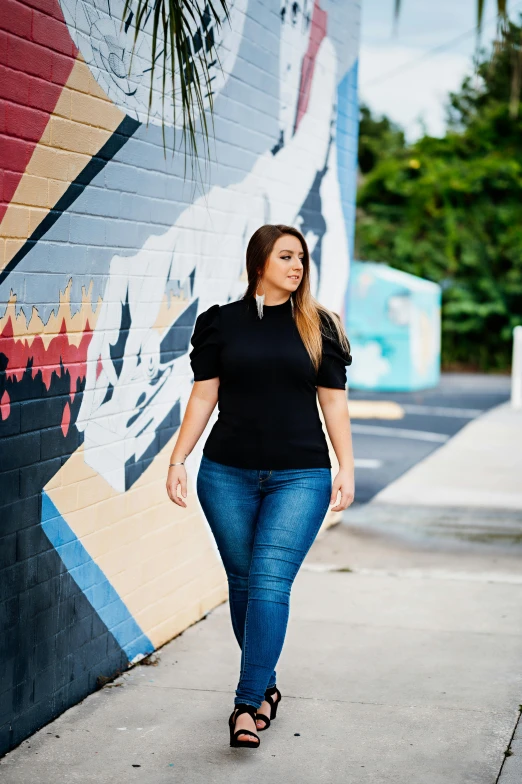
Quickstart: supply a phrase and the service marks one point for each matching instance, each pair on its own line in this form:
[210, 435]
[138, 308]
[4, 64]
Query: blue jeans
[264, 522]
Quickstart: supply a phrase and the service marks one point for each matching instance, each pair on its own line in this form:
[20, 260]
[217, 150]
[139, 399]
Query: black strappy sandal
[269, 697]
[240, 708]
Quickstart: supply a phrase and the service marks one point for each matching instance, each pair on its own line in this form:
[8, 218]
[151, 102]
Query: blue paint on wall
[94, 584]
[347, 133]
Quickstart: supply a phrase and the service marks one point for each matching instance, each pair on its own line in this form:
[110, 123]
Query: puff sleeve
[206, 342]
[332, 370]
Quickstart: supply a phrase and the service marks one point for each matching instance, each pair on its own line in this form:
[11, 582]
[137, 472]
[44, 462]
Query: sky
[400, 76]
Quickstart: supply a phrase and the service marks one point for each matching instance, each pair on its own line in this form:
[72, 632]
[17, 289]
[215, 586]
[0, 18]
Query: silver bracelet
[174, 464]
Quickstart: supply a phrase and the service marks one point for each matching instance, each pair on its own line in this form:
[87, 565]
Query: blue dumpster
[393, 323]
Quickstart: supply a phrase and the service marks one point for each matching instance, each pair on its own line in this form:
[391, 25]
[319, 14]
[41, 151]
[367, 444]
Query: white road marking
[367, 462]
[442, 411]
[399, 432]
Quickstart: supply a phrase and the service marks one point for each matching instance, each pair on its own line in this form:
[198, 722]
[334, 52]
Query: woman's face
[284, 269]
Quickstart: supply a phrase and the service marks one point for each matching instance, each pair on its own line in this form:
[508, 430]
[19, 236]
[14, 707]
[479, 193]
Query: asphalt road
[386, 448]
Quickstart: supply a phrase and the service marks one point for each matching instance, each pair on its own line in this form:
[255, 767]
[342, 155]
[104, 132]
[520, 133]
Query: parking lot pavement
[479, 468]
[385, 448]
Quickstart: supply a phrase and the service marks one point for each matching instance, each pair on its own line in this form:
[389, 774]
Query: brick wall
[107, 255]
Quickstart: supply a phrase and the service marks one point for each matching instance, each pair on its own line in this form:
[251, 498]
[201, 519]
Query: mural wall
[394, 323]
[107, 256]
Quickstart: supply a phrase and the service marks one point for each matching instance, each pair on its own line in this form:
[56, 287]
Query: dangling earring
[292, 304]
[260, 301]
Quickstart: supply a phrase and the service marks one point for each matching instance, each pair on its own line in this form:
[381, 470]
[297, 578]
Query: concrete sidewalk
[401, 663]
[406, 669]
[481, 466]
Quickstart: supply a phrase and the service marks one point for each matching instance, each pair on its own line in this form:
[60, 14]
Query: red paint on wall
[37, 55]
[5, 405]
[317, 33]
[66, 419]
[60, 352]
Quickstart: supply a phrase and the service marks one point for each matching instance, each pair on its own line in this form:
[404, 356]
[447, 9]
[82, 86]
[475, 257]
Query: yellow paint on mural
[375, 409]
[75, 324]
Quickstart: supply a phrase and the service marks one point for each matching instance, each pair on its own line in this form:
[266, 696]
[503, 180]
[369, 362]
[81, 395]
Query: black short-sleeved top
[267, 399]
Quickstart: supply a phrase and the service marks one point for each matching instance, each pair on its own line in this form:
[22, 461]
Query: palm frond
[480, 14]
[396, 14]
[182, 57]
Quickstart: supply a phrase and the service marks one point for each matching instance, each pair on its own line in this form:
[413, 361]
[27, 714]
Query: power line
[430, 53]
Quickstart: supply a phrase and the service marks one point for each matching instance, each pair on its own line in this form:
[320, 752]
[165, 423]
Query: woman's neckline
[272, 308]
[281, 305]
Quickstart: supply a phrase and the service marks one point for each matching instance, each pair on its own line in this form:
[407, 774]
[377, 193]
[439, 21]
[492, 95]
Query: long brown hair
[307, 310]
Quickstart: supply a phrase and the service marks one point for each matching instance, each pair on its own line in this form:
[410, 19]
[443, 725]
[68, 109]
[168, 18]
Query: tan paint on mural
[171, 307]
[158, 557]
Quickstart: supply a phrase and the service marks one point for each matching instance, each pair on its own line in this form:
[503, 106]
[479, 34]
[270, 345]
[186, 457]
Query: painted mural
[107, 256]
[394, 323]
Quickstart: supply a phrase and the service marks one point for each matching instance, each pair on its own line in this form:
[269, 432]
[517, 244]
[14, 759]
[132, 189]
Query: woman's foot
[244, 722]
[266, 709]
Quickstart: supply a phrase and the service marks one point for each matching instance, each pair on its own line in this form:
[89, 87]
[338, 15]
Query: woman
[265, 480]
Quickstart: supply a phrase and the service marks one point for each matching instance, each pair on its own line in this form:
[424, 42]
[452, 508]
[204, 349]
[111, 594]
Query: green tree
[450, 210]
[379, 138]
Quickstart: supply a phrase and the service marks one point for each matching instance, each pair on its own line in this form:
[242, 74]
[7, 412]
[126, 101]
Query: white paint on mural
[425, 330]
[371, 366]
[334, 252]
[106, 40]
[302, 27]
[295, 36]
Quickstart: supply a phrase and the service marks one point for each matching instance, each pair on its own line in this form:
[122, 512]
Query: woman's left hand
[343, 483]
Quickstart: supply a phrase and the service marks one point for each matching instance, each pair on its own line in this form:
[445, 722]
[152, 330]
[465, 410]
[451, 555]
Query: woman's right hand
[177, 476]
